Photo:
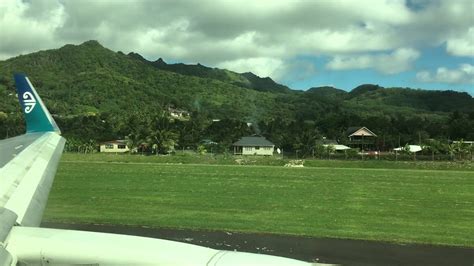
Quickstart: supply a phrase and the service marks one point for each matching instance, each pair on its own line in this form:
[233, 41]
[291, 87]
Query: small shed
[116, 146]
[254, 145]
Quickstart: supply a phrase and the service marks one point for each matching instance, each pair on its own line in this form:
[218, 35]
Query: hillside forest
[97, 95]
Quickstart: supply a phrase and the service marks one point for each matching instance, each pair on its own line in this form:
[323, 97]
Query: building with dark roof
[254, 145]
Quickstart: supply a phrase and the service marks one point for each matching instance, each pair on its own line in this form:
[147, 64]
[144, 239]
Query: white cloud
[261, 66]
[464, 74]
[462, 46]
[272, 67]
[351, 40]
[265, 36]
[398, 61]
[20, 35]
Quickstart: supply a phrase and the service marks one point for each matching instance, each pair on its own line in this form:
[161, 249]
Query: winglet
[38, 118]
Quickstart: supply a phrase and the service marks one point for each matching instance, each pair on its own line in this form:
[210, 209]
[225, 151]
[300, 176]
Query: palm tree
[134, 140]
[162, 137]
[162, 140]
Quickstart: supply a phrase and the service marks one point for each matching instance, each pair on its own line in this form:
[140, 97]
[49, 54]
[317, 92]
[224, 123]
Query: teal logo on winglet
[37, 117]
[29, 102]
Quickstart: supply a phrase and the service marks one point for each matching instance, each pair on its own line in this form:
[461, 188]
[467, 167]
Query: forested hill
[373, 95]
[245, 80]
[87, 80]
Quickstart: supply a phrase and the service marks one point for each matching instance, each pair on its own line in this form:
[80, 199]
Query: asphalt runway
[9, 148]
[322, 250]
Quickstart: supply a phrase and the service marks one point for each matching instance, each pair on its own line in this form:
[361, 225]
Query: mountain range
[89, 79]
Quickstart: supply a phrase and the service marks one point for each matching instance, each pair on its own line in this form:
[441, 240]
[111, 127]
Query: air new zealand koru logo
[29, 101]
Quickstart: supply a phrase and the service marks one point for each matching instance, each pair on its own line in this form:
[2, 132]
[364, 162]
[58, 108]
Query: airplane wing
[27, 167]
[28, 162]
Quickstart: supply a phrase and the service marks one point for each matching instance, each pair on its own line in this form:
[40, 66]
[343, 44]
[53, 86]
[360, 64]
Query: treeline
[157, 132]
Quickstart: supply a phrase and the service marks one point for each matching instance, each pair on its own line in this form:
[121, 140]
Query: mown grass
[397, 205]
[188, 158]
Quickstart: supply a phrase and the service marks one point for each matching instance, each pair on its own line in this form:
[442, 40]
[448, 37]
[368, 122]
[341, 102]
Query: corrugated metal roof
[253, 141]
[338, 147]
[352, 130]
[412, 148]
[118, 141]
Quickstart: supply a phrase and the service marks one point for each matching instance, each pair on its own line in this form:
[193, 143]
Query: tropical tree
[227, 131]
[330, 149]
[471, 150]
[134, 140]
[461, 149]
[162, 138]
[451, 149]
[351, 153]
[72, 145]
[90, 146]
[435, 147]
[201, 149]
[305, 143]
[406, 150]
[319, 150]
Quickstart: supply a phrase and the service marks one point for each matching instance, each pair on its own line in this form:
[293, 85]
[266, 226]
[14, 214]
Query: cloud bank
[464, 74]
[395, 62]
[266, 37]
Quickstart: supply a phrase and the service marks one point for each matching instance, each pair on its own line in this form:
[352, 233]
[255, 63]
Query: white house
[361, 137]
[178, 114]
[116, 146]
[253, 146]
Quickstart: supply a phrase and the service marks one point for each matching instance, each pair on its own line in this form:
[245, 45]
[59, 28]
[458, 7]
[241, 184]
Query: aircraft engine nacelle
[42, 246]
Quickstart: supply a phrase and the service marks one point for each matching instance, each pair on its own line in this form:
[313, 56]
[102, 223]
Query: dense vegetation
[397, 205]
[96, 94]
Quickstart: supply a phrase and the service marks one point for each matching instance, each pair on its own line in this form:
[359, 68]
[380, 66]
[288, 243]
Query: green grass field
[187, 158]
[397, 205]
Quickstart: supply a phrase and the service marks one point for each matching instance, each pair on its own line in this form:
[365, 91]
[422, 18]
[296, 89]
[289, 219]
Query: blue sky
[430, 58]
[426, 44]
